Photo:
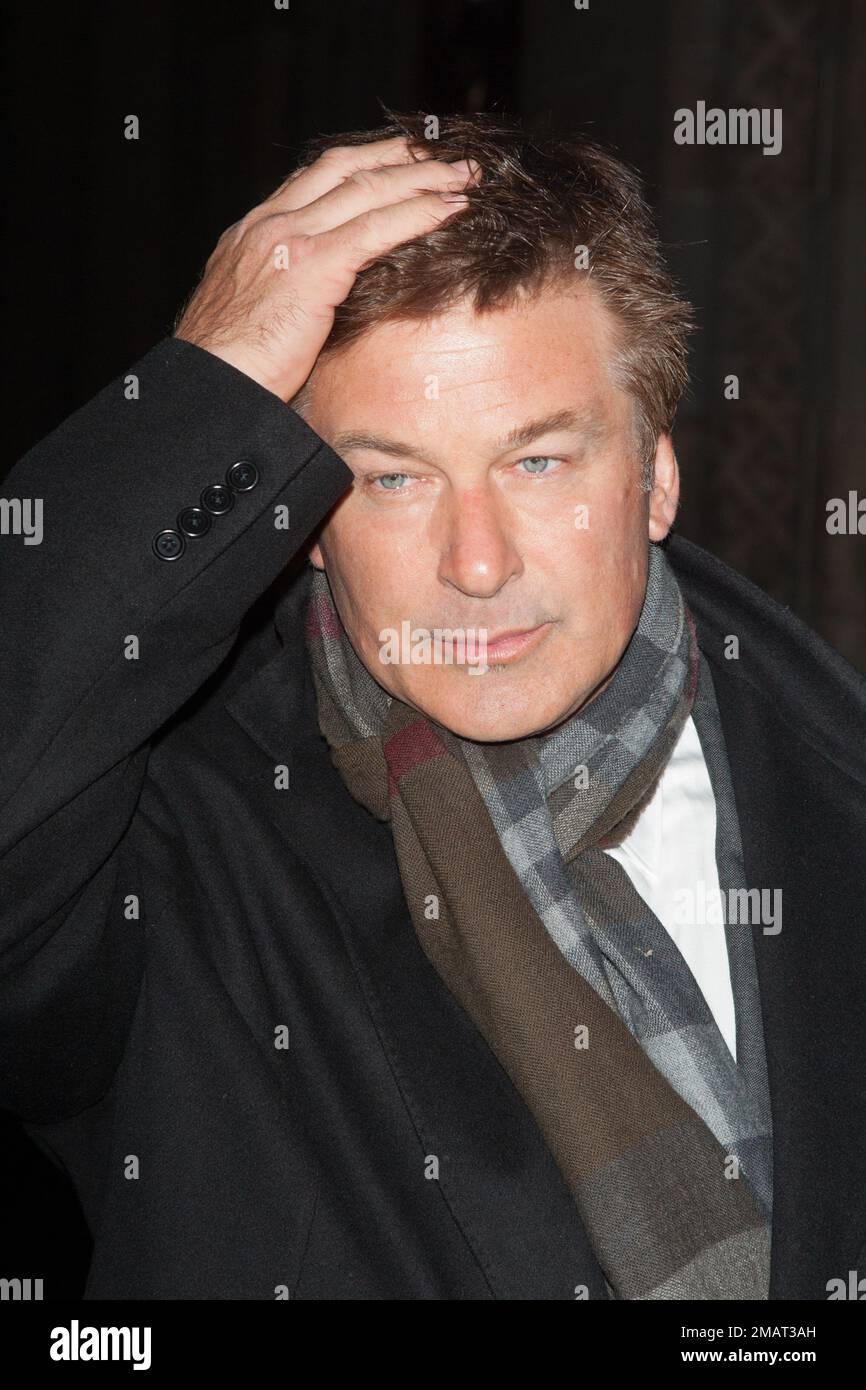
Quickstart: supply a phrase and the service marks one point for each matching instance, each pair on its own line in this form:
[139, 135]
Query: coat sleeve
[101, 641]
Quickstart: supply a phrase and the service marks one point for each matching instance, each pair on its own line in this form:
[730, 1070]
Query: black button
[217, 499]
[242, 476]
[168, 545]
[193, 521]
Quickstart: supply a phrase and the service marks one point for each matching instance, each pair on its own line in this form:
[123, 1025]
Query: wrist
[257, 368]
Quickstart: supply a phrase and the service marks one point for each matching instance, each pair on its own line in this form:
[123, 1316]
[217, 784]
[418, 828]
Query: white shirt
[670, 857]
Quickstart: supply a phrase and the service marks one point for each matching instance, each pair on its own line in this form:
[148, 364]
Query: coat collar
[496, 1173]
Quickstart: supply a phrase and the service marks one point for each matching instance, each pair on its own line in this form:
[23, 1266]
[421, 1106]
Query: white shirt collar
[644, 841]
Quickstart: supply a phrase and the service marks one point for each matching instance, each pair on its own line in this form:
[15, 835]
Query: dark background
[109, 235]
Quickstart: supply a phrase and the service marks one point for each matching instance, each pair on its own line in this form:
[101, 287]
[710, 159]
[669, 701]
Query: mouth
[510, 646]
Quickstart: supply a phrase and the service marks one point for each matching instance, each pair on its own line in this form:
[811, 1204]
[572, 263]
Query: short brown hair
[537, 203]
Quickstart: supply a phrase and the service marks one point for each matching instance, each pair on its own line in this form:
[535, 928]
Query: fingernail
[461, 165]
[454, 197]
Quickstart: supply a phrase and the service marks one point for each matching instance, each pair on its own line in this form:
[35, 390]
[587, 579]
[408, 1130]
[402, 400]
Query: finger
[367, 189]
[335, 165]
[341, 252]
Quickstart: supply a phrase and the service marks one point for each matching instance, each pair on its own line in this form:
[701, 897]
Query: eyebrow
[587, 423]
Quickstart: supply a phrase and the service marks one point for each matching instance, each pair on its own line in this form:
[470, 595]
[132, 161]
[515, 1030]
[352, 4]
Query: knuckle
[338, 156]
[296, 248]
[363, 226]
[256, 234]
[301, 248]
[233, 234]
[217, 254]
[266, 228]
[365, 180]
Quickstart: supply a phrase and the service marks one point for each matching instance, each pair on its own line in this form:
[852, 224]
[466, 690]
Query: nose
[478, 550]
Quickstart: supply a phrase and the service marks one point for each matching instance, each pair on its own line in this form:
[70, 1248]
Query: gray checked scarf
[664, 1140]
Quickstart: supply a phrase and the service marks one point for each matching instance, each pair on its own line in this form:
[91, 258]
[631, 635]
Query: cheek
[370, 592]
[386, 571]
[605, 578]
[617, 535]
[620, 507]
[368, 546]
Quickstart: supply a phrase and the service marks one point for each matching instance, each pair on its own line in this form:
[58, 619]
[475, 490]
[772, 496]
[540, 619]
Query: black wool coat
[172, 911]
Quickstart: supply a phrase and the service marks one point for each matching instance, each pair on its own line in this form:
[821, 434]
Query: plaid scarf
[578, 989]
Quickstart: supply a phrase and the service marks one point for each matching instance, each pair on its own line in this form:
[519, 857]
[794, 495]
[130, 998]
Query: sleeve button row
[216, 500]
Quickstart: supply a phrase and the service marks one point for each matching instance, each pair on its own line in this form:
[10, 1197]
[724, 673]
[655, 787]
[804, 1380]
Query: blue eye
[387, 480]
[539, 459]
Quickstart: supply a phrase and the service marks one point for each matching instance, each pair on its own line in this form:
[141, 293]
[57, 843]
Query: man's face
[497, 488]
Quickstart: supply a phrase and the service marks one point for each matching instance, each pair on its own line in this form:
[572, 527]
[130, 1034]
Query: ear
[316, 557]
[665, 495]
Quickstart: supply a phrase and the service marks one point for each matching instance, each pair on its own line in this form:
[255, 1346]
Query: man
[470, 908]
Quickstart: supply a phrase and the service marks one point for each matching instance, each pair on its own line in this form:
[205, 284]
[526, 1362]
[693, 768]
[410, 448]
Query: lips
[506, 646]
[508, 635]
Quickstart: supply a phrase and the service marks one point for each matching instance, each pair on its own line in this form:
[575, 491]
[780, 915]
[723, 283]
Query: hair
[538, 203]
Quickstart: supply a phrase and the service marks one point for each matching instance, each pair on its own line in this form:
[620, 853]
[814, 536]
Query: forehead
[550, 350]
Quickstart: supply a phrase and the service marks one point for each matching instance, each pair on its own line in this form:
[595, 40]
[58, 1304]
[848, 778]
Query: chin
[501, 721]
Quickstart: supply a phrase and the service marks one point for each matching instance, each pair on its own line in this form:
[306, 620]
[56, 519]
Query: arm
[101, 641]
